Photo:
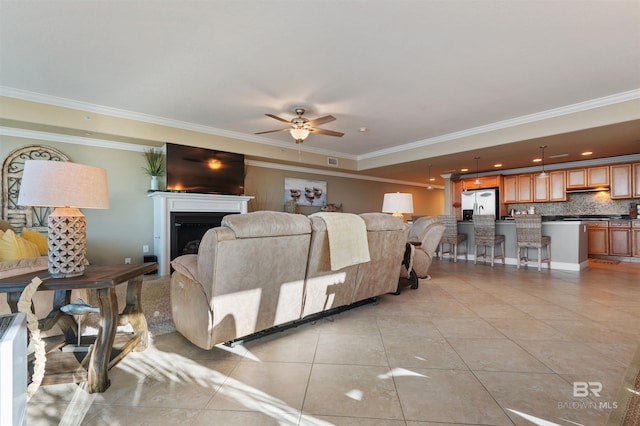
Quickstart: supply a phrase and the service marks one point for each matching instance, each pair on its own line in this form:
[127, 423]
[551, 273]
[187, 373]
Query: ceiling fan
[302, 126]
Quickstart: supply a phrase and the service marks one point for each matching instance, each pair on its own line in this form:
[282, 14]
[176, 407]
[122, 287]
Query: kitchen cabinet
[620, 238]
[510, 189]
[576, 178]
[598, 176]
[558, 185]
[598, 237]
[485, 182]
[621, 181]
[591, 177]
[635, 238]
[635, 179]
[540, 187]
[525, 188]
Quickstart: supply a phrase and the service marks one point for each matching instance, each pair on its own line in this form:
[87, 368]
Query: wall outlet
[127, 260]
[145, 248]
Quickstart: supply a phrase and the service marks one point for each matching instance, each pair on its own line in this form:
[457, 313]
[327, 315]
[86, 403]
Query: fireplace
[188, 228]
[195, 212]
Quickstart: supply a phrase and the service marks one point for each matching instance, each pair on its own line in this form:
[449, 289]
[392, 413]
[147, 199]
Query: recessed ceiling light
[432, 179]
[464, 170]
[497, 165]
[363, 129]
[537, 160]
[587, 153]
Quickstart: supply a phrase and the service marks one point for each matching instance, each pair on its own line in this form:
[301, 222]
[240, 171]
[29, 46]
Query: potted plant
[154, 167]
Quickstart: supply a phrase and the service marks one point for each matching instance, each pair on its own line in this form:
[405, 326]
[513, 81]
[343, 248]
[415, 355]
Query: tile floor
[475, 345]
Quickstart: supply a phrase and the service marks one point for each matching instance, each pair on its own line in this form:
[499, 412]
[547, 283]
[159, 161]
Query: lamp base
[67, 243]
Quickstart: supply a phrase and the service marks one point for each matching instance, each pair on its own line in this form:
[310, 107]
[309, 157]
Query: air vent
[331, 161]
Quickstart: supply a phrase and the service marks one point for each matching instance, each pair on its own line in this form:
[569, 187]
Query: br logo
[582, 389]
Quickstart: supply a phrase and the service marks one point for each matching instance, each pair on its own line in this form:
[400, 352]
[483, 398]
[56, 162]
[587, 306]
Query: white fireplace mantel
[165, 203]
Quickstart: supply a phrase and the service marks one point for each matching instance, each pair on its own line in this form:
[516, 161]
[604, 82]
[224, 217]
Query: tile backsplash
[580, 204]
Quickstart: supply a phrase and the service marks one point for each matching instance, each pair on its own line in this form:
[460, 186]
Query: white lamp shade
[63, 184]
[397, 202]
[299, 134]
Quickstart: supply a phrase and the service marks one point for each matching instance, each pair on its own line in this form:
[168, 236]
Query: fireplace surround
[203, 210]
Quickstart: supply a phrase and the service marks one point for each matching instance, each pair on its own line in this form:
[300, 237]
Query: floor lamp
[68, 187]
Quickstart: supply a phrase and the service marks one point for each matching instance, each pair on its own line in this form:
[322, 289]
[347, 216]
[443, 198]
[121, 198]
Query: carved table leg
[133, 314]
[99, 363]
[66, 322]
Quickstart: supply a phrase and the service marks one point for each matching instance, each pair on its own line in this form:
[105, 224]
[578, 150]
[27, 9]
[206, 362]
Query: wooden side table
[104, 279]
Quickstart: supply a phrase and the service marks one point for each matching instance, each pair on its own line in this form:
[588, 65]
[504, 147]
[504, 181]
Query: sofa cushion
[38, 239]
[382, 222]
[13, 247]
[267, 224]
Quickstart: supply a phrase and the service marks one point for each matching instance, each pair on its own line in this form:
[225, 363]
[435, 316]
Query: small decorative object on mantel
[154, 166]
[332, 208]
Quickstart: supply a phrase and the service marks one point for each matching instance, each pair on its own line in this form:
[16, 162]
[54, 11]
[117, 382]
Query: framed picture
[305, 192]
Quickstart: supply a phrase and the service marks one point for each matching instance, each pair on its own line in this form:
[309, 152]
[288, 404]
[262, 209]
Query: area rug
[156, 304]
[627, 412]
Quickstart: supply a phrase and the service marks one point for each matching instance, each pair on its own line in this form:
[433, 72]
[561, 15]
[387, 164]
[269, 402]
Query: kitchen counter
[569, 243]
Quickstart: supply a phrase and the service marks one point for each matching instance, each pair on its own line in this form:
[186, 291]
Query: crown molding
[103, 143]
[291, 168]
[25, 95]
[525, 119]
[75, 140]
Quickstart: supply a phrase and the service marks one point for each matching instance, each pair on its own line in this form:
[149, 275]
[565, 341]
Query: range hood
[579, 191]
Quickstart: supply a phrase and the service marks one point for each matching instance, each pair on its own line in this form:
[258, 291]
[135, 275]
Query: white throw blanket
[347, 239]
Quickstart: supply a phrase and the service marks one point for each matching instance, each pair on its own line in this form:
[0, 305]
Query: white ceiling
[407, 71]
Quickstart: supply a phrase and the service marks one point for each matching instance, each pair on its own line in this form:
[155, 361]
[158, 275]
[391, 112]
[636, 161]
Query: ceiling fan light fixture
[299, 134]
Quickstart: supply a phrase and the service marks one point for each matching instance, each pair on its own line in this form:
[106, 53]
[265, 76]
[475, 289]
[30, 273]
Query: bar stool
[452, 238]
[484, 231]
[529, 235]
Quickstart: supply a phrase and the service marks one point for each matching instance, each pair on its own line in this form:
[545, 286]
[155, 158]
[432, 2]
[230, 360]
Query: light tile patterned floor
[474, 345]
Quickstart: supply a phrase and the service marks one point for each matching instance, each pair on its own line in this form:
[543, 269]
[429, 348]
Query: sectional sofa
[267, 269]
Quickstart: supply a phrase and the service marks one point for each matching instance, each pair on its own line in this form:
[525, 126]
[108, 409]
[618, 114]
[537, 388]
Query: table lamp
[397, 203]
[67, 187]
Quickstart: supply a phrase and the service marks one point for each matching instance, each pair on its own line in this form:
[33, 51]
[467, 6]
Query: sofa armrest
[187, 265]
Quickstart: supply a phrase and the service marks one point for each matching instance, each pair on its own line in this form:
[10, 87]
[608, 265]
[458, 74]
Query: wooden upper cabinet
[525, 189]
[621, 181]
[636, 180]
[557, 185]
[540, 187]
[485, 182]
[598, 176]
[510, 189]
[576, 178]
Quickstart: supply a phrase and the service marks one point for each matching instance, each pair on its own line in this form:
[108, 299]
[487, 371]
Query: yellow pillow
[14, 247]
[38, 239]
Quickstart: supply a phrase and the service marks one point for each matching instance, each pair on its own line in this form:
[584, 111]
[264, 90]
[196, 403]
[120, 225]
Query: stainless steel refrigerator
[479, 201]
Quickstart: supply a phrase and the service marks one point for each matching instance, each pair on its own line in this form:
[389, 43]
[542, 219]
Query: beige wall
[127, 225]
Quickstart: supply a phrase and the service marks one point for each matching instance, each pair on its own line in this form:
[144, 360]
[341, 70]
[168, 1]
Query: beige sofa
[266, 269]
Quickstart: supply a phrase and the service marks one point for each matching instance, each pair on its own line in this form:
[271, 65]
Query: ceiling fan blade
[322, 120]
[278, 118]
[272, 131]
[326, 132]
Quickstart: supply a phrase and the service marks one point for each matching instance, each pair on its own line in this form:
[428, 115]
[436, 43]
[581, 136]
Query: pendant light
[477, 181]
[543, 175]
[429, 186]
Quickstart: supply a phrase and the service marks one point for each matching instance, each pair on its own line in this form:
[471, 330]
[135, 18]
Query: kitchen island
[569, 243]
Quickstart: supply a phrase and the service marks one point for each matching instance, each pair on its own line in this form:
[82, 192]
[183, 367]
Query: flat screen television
[206, 171]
